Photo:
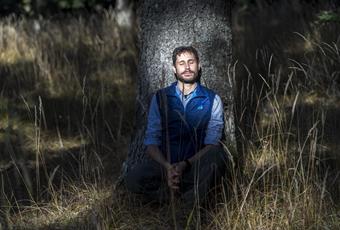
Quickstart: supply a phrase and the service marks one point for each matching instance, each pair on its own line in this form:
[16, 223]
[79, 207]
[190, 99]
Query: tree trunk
[167, 24]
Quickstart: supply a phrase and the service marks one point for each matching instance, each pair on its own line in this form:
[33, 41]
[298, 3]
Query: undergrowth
[67, 89]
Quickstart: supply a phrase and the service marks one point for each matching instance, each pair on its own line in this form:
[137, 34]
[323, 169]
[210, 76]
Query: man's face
[186, 68]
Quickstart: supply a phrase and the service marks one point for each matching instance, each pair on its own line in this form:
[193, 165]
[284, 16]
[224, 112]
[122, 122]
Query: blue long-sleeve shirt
[214, 129]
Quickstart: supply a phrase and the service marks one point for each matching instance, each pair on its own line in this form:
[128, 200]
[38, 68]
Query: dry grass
[67, 86]
[284, 185]
[66, 113]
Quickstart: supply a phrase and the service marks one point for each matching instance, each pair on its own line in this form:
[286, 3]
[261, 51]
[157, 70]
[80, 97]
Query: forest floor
[66, 116]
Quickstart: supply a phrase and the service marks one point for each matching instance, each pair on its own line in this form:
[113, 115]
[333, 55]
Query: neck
[186, 88]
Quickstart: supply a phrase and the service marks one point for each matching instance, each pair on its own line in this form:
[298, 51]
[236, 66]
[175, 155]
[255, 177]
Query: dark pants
[149, 177]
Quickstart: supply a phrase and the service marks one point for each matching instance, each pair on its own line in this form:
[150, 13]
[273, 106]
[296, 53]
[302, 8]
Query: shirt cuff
[212, 138]
[150, 141]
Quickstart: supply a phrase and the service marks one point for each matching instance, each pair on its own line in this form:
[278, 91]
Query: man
[185, 125]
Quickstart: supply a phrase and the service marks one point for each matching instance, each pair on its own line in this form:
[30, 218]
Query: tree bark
[167, 24]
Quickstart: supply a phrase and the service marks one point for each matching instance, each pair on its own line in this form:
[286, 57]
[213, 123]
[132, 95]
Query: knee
[133, 181]
[220, 158]
[143, 177]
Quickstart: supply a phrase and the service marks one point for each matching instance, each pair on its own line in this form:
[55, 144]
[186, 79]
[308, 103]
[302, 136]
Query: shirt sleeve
[215, 124]
[153, 132]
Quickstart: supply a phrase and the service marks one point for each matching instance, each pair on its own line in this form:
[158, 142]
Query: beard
[188, 80]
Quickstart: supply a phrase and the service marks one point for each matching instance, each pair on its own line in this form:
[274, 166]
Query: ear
[174, 69]
[199, 66]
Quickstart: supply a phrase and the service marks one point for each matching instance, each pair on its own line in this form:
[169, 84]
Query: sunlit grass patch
[32, 138]
[276, 208]
[91, 206]
[68, 208]
[14, 45]
[321, 99]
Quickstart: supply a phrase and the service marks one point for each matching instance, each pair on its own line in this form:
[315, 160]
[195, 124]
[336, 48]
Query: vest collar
[198, 91]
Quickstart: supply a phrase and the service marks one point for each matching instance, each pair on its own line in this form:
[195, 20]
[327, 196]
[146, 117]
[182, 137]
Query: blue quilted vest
[184, 129]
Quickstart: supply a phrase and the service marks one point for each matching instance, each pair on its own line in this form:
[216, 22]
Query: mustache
[187, 71]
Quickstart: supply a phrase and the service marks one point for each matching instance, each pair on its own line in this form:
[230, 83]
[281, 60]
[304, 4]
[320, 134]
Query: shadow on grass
[100, 118]
[312, 136]
[17, 78]
[98, 126]
[326, 132]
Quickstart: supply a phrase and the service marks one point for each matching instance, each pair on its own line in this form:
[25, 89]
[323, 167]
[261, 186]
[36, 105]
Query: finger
[176, 180]
[174, 174]
[174, 187]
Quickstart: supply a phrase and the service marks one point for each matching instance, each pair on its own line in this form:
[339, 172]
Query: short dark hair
[182, 49]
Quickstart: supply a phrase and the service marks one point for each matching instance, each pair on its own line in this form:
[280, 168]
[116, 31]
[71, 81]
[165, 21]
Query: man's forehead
[185, 55]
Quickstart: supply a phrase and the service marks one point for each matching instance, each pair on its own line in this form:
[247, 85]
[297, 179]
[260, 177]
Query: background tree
[165, 25]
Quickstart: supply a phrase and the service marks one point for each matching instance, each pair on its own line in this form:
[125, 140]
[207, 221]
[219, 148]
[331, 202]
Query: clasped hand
[174, 174]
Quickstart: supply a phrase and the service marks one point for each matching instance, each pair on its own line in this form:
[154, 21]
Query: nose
[187, 66]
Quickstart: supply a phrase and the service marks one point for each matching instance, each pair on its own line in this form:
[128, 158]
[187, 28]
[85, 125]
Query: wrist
[187, 164]
[167, 165]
